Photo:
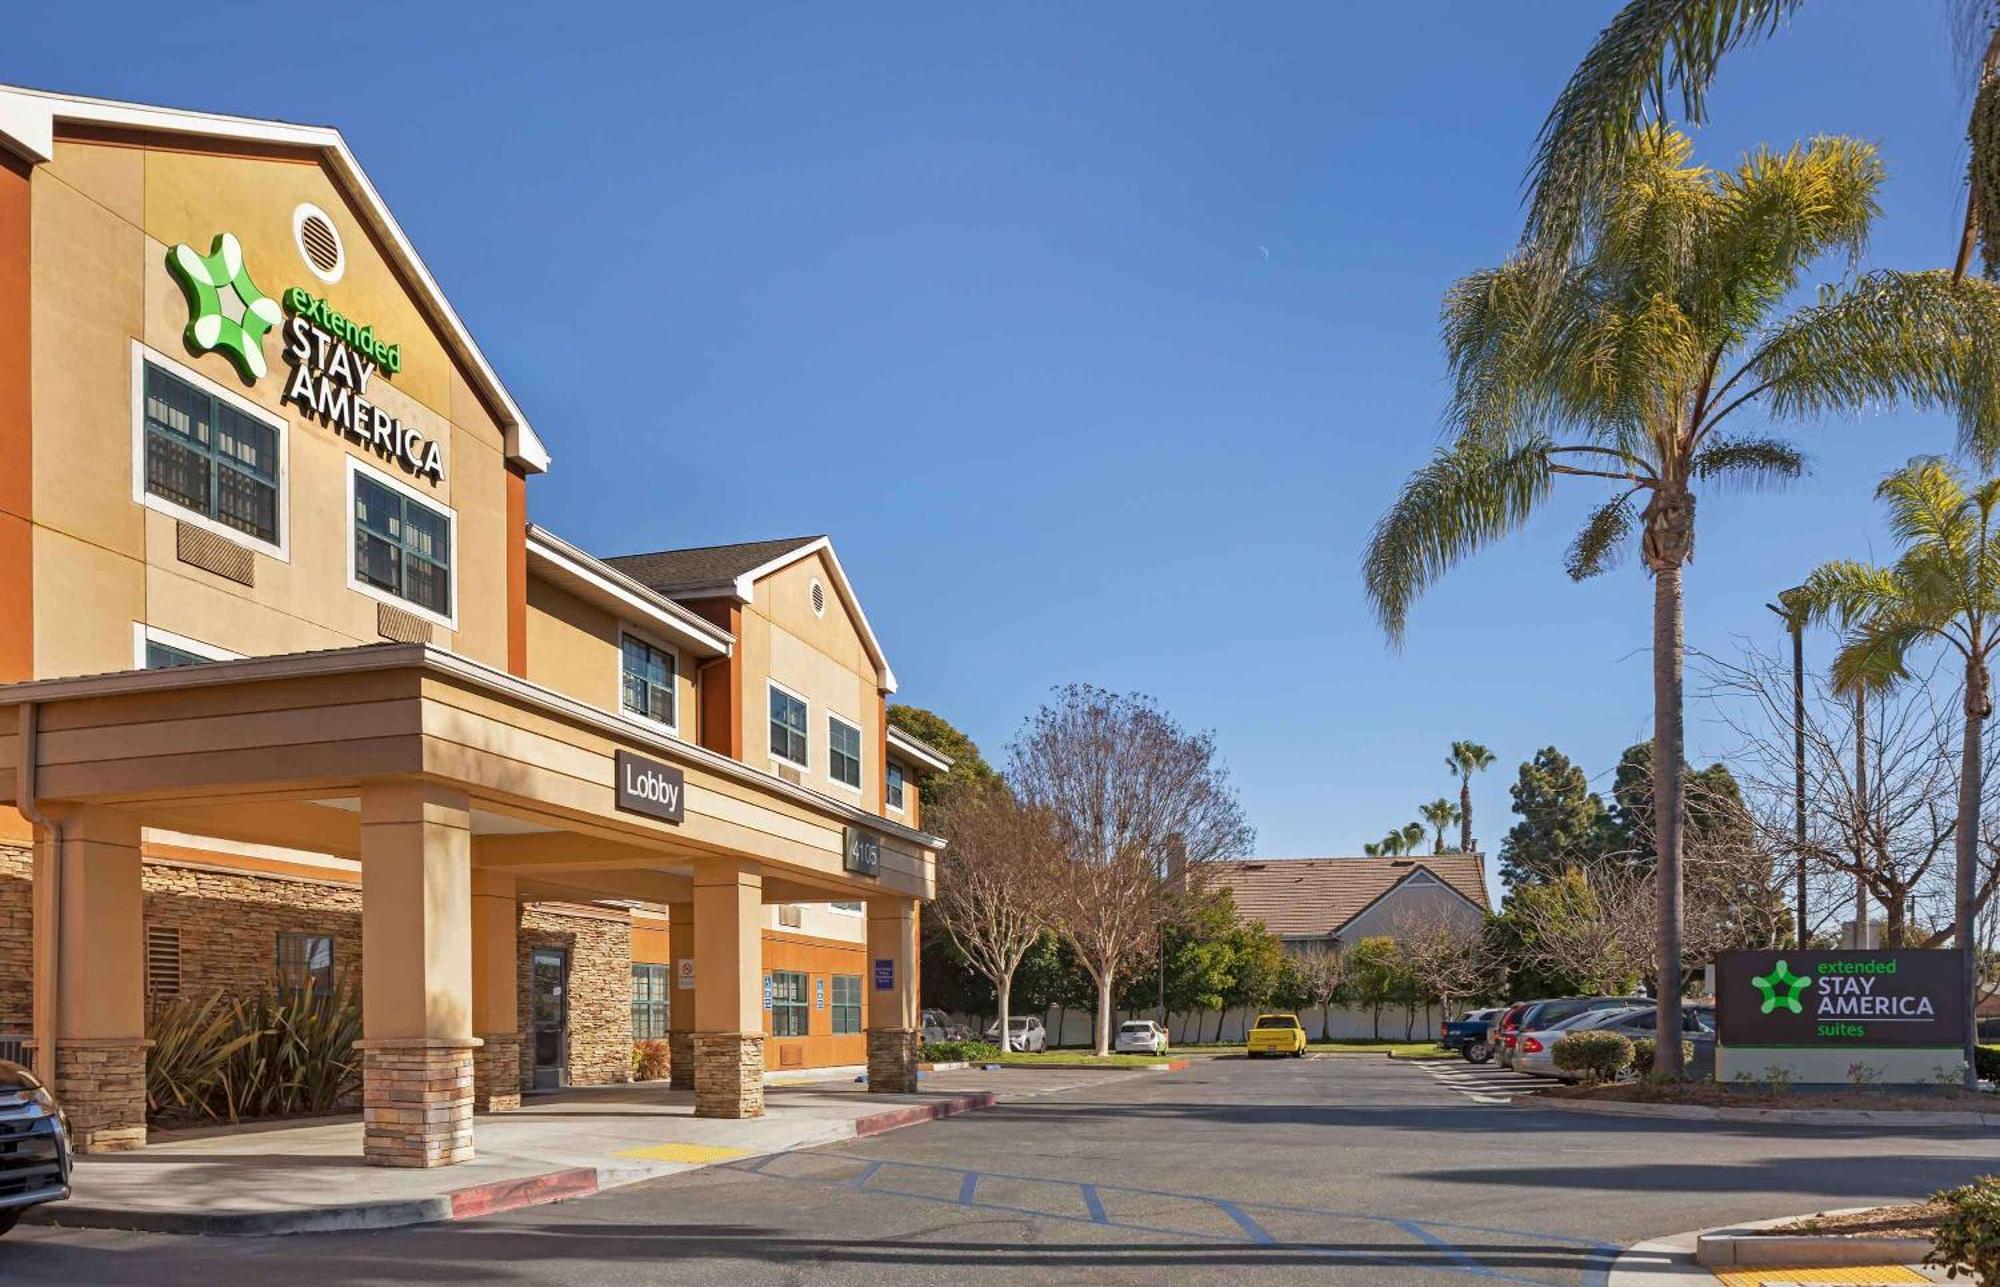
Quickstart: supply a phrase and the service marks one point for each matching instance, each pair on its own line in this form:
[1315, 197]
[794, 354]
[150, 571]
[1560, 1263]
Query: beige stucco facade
[470, 750]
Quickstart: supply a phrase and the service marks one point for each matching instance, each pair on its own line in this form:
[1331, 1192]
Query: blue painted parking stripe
[1256, 1232]
[967, 1187]
[1094, 1203]
[867, 1173]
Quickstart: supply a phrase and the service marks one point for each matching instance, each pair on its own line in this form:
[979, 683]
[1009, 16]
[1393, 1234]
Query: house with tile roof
[1308, 900]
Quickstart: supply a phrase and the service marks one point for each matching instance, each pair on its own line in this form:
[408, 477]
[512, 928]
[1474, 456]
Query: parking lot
[1356, 1169]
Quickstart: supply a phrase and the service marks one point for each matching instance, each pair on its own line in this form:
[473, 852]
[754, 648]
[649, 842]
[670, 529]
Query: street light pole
[1795, 623]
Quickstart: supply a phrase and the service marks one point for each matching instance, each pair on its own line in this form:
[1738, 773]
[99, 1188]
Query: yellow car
[1276, 1034]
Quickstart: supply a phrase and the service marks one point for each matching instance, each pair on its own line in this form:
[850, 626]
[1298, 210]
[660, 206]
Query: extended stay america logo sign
[1895, 998]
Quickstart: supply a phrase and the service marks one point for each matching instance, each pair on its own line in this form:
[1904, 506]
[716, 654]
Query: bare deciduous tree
[1141, 807]
[1446, 956]
[1596, 929]
[1320, 968]
[993, 885]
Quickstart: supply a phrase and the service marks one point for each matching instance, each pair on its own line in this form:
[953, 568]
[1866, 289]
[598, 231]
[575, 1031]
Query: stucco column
[680, 1000]
[728, 988]
[416, 975]
[893, 1031]
[90, 989]
[496, 1019]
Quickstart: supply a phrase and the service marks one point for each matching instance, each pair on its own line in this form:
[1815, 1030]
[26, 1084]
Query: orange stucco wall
[821, 959]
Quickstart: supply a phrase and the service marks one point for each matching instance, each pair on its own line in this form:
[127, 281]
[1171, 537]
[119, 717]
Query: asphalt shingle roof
[1316, 896]
[671, 571]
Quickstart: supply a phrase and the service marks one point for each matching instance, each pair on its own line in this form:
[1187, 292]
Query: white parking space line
[1483, 1083]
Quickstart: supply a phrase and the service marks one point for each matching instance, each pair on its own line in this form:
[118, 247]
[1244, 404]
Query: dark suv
[34, 1145]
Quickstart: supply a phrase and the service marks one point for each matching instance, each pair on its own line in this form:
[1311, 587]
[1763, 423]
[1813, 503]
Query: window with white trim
[843, 752]
[788, 727]
[846, 1003]
[209, 457]
[161, 656]
[649, 1002]
[401, 545]
[647, 681]
[893, 792]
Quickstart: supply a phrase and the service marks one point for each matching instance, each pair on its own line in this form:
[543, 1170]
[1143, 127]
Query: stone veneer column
[893, 1030]
[728, 988]
[496, 927]
[89, 991]
[416, 975]
[680, 1000]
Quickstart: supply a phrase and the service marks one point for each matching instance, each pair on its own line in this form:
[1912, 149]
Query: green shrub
[951, 1052]
[1969, 1237]
[277, 1054]
[1642, 1055]
[1594, 1056]
[651, 1060]
[1988, 1063]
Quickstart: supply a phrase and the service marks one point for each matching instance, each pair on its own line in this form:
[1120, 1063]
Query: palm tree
[1401, 840]
[1653, 46]
[1413, 835]
[1944, 589]
[1636, 365]
[1466, 759]
[1440, 813]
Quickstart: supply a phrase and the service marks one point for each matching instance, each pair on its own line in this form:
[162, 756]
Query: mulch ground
[1915, 1220]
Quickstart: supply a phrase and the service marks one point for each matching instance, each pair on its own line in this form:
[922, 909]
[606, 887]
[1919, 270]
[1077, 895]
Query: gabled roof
[709, 571]
[28, 120]
[1315, 897]
[714, 569]
[926, 755]
[590, 579]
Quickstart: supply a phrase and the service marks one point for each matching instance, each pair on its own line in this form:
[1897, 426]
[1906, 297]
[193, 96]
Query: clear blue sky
[1097, 336]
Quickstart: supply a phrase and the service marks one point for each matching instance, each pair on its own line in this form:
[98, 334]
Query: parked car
[1275, 1034]
[938, 1028]
[1024, 1034]
[1538, 1015]
[1536, 1055]
[1142, 1037]
[34, 1145]
[1467, 1035]
[1503, 1032]
[1534, 1051]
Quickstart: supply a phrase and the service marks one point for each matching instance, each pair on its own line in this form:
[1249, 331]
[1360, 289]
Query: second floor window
[648, 689]
[788, 727]
[305, 963]
[210, 458]
[402, 546]
[894, 790]
[161, 656]
[843, 760]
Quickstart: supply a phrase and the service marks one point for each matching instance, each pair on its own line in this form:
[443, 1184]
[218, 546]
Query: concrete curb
[1812, 1116]
[1734, 1247]
[1662, 1262]
[459, 1204]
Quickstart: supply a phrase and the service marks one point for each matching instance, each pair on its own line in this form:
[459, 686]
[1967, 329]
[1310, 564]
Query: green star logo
[226, 311]
[1781, 980]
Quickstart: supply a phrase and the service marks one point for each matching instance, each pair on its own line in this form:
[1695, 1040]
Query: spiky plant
[1440, 813]
[1654, 53]
[1466, 758]
[1944, 589]
[1639, 366]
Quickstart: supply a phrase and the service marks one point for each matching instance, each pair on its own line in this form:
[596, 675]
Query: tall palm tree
[1654, 47]
[1944, 589]
[1440, 813]
[1466, 759]
[1636, 366]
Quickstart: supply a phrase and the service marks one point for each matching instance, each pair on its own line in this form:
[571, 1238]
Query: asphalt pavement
[1339, 1168]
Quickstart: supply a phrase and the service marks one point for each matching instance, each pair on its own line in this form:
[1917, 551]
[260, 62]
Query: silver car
[1025, 1035]
[1140, 1037]
[1535, 1052]
[34, 1145]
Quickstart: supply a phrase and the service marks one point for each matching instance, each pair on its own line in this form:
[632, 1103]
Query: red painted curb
[528, 1191]
[896, 1118]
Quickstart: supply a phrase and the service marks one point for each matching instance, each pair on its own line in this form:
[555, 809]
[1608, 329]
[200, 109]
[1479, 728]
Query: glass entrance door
[550, 1017]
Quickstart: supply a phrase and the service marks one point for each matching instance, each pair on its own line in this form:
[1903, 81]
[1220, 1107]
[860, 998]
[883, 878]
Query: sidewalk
[283, 1178]
[1670, 1262]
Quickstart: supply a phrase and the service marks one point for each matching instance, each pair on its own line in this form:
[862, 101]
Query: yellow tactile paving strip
[694, 1154]
[1831, 1277]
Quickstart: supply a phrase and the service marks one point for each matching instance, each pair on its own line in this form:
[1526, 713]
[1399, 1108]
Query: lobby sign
[1898, 999]
[862, 852]
[650, 787]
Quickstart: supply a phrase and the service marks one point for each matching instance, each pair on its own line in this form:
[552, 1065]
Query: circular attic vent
[319, 243]
[818, 599]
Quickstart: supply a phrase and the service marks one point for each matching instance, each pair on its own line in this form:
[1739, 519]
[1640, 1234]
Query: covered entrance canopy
[461, 790]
